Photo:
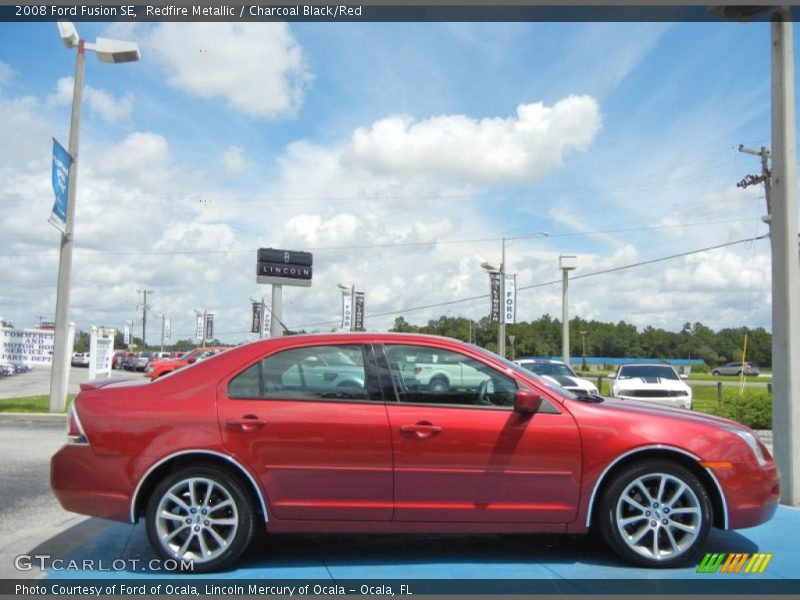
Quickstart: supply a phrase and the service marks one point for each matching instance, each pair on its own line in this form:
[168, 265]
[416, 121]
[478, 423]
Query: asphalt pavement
[29, 513]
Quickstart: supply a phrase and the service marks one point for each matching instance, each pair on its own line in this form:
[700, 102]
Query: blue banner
[62, 161]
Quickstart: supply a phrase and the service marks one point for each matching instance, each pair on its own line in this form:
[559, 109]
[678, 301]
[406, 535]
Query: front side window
[309, 373]
[423, 375]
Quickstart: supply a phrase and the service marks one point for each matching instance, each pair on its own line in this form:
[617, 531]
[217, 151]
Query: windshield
[648, 372]
[527, 373]
[552, 369]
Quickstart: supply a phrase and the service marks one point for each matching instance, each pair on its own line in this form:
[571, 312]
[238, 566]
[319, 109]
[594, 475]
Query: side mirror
[684, 376]
[527, 401]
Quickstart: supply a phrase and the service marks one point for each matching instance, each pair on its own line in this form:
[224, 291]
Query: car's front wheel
[202, 514]
[655, 513]
[715, 373]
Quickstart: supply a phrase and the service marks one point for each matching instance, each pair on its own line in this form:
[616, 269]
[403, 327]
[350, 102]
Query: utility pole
[763, 178]
[144, 316]
[785, 263]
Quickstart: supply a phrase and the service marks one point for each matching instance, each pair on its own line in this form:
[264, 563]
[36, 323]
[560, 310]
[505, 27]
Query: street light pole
[583, 346]
[501, 326]
[501, 272]
[107, 50]
[785, 262]
[275, 328]
[59, 374]
[163, 318]
[566, 263]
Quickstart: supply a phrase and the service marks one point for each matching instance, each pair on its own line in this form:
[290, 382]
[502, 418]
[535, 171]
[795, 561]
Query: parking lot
[32, 522]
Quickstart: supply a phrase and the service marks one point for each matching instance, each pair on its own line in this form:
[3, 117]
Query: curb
[33, 417]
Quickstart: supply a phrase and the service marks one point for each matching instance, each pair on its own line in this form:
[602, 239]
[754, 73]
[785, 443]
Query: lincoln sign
[284, 267]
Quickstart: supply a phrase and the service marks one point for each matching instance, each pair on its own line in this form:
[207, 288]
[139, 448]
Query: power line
[389, 244]
[555, 281]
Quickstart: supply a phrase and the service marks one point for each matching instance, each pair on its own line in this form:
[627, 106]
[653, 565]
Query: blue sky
[331, 137]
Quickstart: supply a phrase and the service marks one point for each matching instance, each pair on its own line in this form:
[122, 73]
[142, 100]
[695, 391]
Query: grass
[763, 378]
[30, 404]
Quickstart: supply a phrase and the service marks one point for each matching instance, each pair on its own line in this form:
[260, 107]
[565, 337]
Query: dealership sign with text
[284, 267]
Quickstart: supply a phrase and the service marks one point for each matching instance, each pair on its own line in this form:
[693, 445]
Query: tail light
[75, 433]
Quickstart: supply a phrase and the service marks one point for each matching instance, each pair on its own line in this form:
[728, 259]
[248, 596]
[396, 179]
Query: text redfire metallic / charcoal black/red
[349, 433]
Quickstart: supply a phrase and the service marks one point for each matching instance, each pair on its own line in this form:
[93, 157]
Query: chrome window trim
[197, 451]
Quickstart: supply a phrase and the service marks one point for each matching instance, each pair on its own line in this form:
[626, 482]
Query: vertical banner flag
[167, 329]
[62, 161]
[200, 328]
[126, 335]
[510, 302]
[209, 326]
[494, 281]
[258, 318]
[347, 311]
[267, 323]
[359, 311]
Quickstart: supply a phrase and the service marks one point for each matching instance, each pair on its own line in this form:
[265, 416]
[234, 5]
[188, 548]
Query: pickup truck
[440, 372]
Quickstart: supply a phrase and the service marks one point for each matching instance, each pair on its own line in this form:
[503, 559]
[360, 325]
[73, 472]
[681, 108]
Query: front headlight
[749, 438]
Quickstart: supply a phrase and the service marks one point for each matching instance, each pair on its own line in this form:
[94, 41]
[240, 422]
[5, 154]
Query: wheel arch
[186, 458]
[679, 456]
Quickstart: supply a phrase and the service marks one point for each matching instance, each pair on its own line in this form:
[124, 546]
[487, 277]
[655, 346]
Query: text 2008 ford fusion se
[275, 434]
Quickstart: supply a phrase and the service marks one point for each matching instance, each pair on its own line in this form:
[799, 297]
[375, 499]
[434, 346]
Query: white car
[80, 359]
[652, 383]
[560, 374]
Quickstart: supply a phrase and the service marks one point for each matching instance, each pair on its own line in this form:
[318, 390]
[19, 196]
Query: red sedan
[334, 433]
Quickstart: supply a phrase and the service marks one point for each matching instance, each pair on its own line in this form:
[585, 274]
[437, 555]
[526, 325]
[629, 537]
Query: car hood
[656, 410]
[644, 383]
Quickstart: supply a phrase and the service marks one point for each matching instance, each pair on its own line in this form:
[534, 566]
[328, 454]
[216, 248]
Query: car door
[322, 453]
[465, 455]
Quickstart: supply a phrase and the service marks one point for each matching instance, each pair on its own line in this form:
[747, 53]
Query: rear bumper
[90, 485]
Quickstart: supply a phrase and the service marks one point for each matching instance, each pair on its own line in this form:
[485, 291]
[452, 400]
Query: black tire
[240, 512]
[677, 521]
[715, 373]
[439, 384]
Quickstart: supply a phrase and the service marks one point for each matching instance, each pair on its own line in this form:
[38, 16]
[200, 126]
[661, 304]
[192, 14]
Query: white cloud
[258, 68]
[492, 150]
[234, 161]
[107, 107]
[5, 73]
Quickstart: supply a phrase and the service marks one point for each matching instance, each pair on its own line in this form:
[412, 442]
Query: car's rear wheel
[202, 514]
[715, 373]
[656, 513]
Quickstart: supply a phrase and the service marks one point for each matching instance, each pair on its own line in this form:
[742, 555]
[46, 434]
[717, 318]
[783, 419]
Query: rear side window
[309, 373]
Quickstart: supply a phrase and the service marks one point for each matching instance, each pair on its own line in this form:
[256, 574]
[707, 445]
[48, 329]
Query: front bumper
[752, 492]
